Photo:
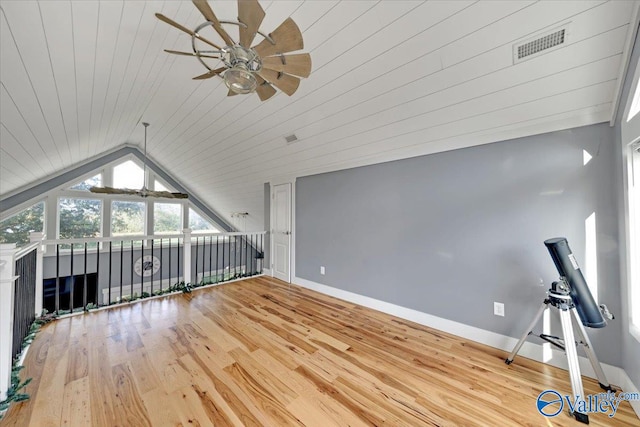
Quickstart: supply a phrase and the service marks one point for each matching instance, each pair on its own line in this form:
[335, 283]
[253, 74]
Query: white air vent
[541, 44]
[291, 138]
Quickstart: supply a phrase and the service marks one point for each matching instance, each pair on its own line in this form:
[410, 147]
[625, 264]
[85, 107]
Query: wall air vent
[532, 48]
[291, 138]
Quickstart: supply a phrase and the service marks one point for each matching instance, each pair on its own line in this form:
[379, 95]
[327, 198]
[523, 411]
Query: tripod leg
[588, 349]
[572, 360]
[533, 323]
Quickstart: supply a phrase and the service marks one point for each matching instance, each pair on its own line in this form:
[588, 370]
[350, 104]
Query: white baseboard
[538, 352]
[267, 272]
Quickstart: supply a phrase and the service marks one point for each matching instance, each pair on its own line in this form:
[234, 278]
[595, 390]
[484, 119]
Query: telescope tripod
[561, 300]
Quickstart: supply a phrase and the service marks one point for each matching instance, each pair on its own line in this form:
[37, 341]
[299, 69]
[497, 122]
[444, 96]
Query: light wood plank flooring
[259, 352]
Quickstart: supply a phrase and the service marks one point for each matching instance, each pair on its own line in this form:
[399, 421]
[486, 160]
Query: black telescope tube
[567, 266]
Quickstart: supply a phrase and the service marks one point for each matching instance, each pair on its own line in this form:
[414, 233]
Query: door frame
[292, 242]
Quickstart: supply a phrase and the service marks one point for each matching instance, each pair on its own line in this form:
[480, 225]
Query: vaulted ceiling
[390, 79]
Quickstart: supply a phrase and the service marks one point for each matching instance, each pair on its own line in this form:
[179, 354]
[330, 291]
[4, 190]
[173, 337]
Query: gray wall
[450, 233]
[630, 346]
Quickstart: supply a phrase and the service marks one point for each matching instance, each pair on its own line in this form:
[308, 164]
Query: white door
[281, 231]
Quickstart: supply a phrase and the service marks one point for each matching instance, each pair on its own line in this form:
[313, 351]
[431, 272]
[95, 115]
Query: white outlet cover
[498, 309]
[321, 269]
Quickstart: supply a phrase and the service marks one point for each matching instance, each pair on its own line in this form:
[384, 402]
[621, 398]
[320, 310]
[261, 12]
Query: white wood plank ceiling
[391, 79]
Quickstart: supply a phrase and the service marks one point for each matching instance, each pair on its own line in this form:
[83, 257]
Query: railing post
[186, 261]
[38, 237]
[7, 289]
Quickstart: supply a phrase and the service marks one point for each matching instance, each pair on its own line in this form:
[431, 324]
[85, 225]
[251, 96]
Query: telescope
[571, 297]
[588, 310]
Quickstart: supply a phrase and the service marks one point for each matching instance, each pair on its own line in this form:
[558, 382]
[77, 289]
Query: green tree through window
[80, 218]
[16, 229]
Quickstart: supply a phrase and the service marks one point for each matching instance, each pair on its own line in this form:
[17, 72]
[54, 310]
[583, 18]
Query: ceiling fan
[143, 192]
[247, 69]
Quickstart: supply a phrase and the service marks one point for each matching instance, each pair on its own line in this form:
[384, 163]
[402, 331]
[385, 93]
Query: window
[85, 185]
[157, 185]
[128, 218]
[634, 229]
[198, 224]
[128, 175]
[167, 218]
[16, 228]
[79, 218]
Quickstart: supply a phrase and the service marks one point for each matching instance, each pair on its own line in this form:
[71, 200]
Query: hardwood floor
[259, 352]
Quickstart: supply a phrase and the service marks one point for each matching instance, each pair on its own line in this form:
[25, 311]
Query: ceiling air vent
[291, 138]
[523, 51]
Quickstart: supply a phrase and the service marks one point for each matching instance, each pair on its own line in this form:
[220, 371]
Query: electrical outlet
[322, 270]
[498, 309]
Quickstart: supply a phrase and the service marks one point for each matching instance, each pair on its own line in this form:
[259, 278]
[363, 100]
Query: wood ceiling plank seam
[89, 141]
[136, 111]
[214, 123]
[26, 161]
[540, 16]
[108, 14]
[28, 166]
[424, 149]
[438, 22]
[169, 61]
[397, 134]
[35, 93]
[22, 143]
[55, 81]
[119, 64]
[111, 128]
[202, 141]
[84, 74]
[404, 101]
[551, 103]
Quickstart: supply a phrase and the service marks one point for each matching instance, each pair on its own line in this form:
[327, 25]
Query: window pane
[198, 224]
[80, 218]
[128, 175]
[157, 185]
[127, 218]
[167, 218]
[85, 185]
[16, 229]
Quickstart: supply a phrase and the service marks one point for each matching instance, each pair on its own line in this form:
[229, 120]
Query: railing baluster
[84, 286]
[161, 263]
[151, 289]
[142, 270]
[132, 262]
[178, 262]
[217, 255]
[204, 251]
[121, 268]
[110, 268]
[71, 297]
[57, 295]
[96, 299]
[210, 257]
[195, 279]
[170, 284]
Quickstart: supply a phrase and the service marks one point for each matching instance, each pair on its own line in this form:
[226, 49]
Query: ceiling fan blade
[264, 89]
[286, 83]
[251, 14]
[178, 52]
[210, 74]
[298, 64]
[185, 29]
[111, 190]
[205, 9]
[167, 194]
[287, 37]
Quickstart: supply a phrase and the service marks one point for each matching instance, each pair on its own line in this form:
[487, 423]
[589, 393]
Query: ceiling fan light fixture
[239, 79]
